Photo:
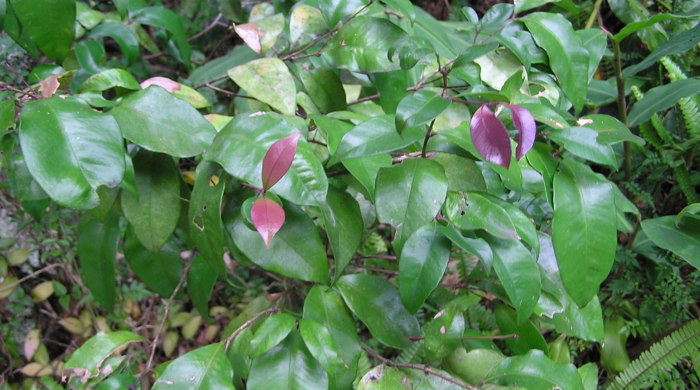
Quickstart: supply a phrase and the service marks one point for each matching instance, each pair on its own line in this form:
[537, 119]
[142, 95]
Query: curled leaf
[525, 123]
[267, 217]
[490, 137]
[250, 34]
[167, 84]
[278, 159]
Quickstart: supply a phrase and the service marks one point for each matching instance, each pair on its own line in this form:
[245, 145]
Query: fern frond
[410, 354]
[688, 106]
[663, 355]
[650, 136]
[655, 120]
[683, 180]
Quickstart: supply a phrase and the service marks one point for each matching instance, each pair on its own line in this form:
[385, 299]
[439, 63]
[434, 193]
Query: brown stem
[249, 323]
[428, 134]
[425, 369]
[206, 29]
[33, 274]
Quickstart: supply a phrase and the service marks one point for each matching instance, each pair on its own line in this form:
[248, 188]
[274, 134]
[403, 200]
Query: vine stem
[594, 14]
[168, 304]
[249, 323]
[425, 369]
[33, 274]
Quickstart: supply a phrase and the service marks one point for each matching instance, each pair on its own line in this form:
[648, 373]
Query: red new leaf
[490, 137]
[278, 159]
[267, 217]
[525, 123]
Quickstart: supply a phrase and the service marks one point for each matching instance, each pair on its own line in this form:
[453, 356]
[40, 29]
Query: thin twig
[154, 343]
[33, 274]
[383, 257]
[375, 269]
[206, 29]
[250, 322]
[425, 369]
[204, 84]
[227, 92]
[428, 134]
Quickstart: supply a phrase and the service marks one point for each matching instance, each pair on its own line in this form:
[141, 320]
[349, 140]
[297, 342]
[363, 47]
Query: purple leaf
[525, 123]
[267, 217]
[278, 159]
[490, 137]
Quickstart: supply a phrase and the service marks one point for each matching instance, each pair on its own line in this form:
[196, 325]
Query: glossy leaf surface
[422, 264]
[344, 227]
[270, 333]
[86, 149]
[567, 57]
[158, 121]
[683, 241]
[97, 250]
[268, 80]
[419, 108]
[204, 368]
[27, 24]
[661, 98]
[288, 366]
[155, 212]
[409, 195]
[378, 305]
[583, 229]
[87, 360]
[240, 148]
[204, 214]
[200, 284]
[330, 334]
[296, 251]
[525, 123]
[535, 371]
[160, 271]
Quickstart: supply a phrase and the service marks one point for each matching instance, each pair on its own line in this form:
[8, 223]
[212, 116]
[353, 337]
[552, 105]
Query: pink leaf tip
[490, 137]
[268, 217]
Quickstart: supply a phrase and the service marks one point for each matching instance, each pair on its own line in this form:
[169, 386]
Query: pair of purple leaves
[489, 136]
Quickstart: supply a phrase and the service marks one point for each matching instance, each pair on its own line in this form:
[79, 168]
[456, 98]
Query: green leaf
[204, 219]
[288, 366]
[661, 98]
[374, 136]
[473, 246]
[518, 273]
[109, 78]
[419, 109]
[422, 264]
[344, 227]
[268, 80]
[240, 148]
[270, 333]
[305, 24]
[535, 371]
[324, 87]
[683, 241]
[91, 56]
[475, 365]
[334, 11]
[97, 250]
[524, 5]
[567, 57]
[365, 169]
[409, 195]
[474, 210]
[610, 130]
[85, 147]
[7, 115]
[596, 42]
[378, 305]
[201, 278]
[158, 121]
[87, 360]
[160, 271]
[462, 173]
[583, 229]
[363, 45]
[392, 88]
[583, 142]
[679, 43]
[529, 337]
[154, 214]
[26, 22]
[161, 17]
[203, 368]
[331, 335]
[445, 330]
[123, 35]
[296, 251]
[219, 67]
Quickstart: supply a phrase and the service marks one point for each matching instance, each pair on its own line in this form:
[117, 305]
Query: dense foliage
[342, 194]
